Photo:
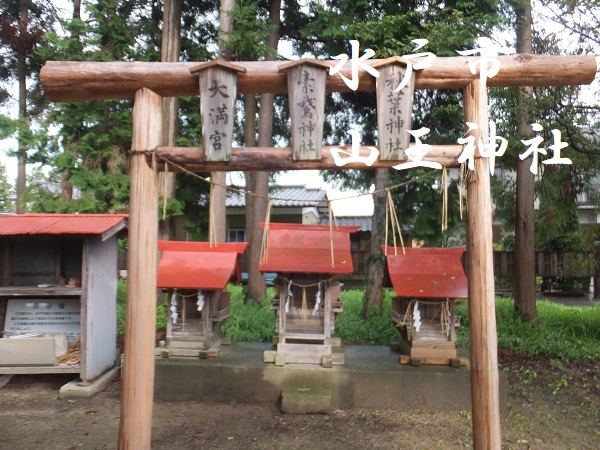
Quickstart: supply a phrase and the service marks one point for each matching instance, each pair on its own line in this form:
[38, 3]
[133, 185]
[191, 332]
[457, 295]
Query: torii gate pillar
[485, 395]
[140, 320]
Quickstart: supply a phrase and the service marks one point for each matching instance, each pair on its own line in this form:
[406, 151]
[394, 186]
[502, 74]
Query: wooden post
[140, 326]
[485, 395]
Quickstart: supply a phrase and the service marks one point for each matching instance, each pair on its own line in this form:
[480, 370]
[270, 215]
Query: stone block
[305, 400]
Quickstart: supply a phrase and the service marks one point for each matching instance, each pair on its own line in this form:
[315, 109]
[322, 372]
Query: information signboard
[44, 315]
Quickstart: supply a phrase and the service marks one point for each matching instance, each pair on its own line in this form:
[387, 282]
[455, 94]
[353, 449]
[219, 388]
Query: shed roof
[300, 248]
[197, 265]
[285, 196]
[427, 272]
[204, 247]
[61, 224]
[364, 222]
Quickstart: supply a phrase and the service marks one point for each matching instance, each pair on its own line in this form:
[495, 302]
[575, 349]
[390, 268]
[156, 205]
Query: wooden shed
[58, 291]
[427, 282]
[195, 274]
[306, 259]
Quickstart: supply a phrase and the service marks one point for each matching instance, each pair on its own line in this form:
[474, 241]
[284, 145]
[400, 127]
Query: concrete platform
[372, 377]
[79, 389]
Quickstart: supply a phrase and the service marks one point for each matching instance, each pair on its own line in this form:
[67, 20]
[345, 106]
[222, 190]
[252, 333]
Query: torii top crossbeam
[66, 81]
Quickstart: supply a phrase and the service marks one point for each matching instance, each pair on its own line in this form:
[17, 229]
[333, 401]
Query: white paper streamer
[317, 300]
[417, 317]
[200, 301]
[289, 296]
[173, 307]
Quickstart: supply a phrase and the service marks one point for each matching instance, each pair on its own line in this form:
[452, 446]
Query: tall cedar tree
[22, 24]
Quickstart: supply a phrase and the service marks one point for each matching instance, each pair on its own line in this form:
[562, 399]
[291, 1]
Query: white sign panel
[45, 315]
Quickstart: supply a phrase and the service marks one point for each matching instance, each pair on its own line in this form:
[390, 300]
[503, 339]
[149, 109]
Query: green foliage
[249, 321]
[567, 333]
[247, 40]
[121, 305]
[8, 126]
[561, 108]
[161, 309]
[90, 149]
[161, 315]
[352, 327]
[6, 191]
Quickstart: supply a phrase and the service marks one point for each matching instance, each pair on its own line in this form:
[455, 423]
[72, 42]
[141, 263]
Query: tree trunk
[169, 52]
[218, 192]
[376, 261]
[260, 180]
[66, 187]
[22, 79]
[249, 140]
[524, 268]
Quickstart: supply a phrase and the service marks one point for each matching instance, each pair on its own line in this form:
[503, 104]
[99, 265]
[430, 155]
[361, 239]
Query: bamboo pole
[280, 158]
[140, 326]
[80, 81]
[485, 394]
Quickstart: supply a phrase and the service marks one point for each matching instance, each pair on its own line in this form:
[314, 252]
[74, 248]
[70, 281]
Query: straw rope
[393, 218]
[306, 285]
[264, 248]
[167, 162]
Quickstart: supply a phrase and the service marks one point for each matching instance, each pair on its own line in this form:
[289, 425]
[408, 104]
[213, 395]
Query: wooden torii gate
[149, 83]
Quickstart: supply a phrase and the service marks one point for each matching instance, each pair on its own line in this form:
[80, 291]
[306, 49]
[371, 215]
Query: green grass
[564, 332]
[251, 321]
[353, 328]
[121, 300]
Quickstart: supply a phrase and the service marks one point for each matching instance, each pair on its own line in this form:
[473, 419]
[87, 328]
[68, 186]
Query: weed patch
[562, 332]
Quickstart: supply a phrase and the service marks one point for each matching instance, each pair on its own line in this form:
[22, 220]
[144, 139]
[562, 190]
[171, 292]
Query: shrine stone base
[372, 377]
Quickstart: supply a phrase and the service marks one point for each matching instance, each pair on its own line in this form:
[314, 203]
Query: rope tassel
[264, 248]
[304, 304]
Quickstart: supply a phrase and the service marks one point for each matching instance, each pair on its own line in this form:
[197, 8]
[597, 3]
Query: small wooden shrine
[427, 282]
[194, 276]
[306, 259]
[58, 292]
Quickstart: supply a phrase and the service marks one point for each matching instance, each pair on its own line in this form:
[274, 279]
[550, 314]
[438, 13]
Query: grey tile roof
[284, 196]
[363, 221]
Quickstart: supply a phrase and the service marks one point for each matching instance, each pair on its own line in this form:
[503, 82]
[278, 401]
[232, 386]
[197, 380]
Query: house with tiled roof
[290, 204]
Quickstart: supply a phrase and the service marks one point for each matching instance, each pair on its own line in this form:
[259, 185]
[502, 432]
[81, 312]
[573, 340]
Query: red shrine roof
[299, 248]
[197, 265]
[61, 224]
[427, 272]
